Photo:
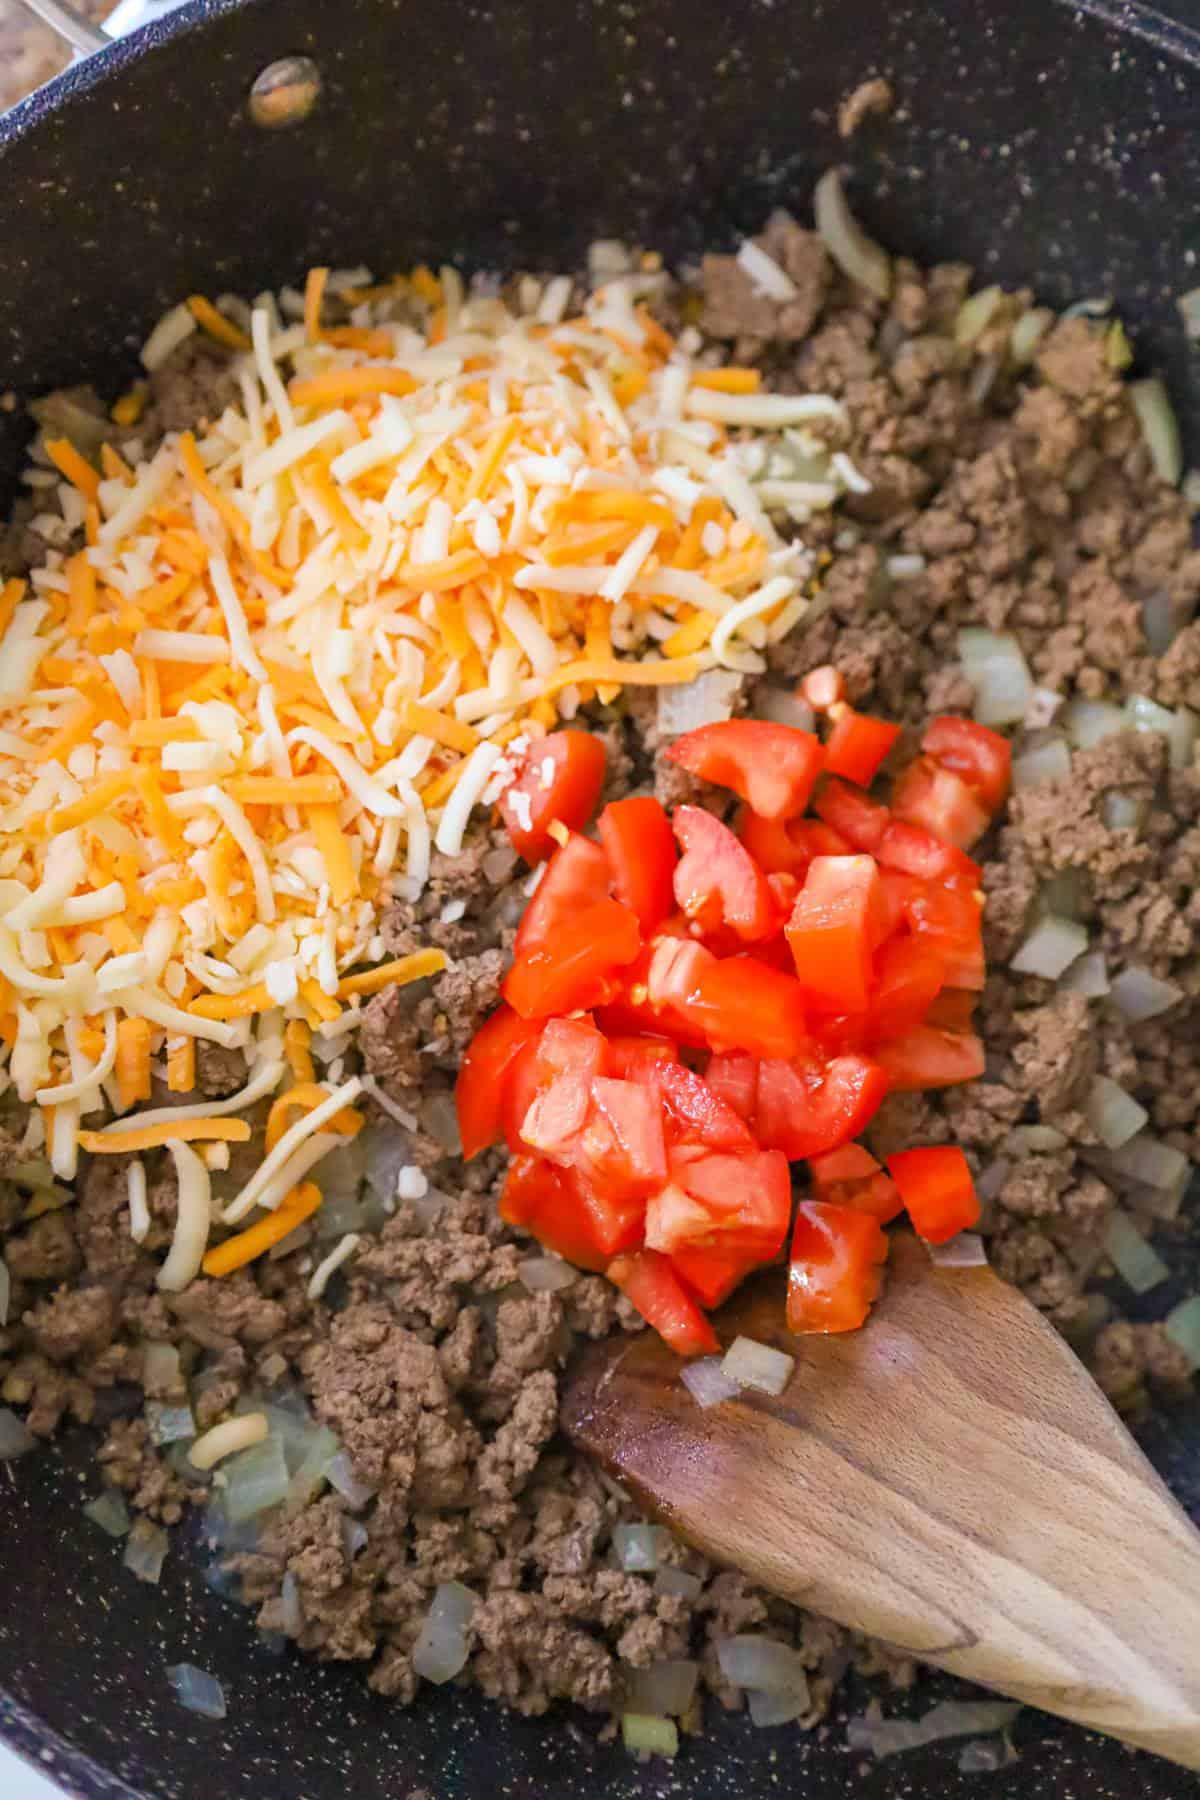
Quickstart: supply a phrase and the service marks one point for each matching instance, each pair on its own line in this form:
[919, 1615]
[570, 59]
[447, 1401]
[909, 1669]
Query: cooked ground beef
[1028, 498]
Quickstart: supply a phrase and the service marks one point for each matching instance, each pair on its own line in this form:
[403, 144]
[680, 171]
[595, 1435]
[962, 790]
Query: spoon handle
[949, 1479]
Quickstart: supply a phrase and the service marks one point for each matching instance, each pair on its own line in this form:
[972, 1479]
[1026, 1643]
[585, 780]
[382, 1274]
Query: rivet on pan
[285, 92]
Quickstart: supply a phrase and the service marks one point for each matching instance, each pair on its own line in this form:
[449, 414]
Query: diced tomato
[852, 1162]
[524, 1082]
[640, 847]
[835, 1272]
[805, 1111]
[742, 1004]
[909, 974]
[694, 1111]
[560, 778]
[853, 815]
[632, 1056]
[479, 1091]
[771, 767]
[851, 1177]
[915, 851]
[576, 876]
[946, 916]
[576, 969]
[787, 846]
[711, 1275]
[557, 1116]
[733, 1075]
[835, 927]
[614, 1222]
[544, 1200]
[938, 799]
[622, 1150]
[928, 1058]
[823, 687]
[717, 881]
[740, 1203]
[857, 745]
[981, 757]
[937, 1190]
[651, 1285]
[572, 1047]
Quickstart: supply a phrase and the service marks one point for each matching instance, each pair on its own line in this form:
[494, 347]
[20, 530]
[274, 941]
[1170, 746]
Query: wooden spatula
[949, 1479]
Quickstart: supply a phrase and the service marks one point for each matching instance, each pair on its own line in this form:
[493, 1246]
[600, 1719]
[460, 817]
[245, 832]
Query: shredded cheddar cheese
[304, 643]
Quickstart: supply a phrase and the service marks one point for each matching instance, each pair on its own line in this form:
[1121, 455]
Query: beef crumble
[1019, 498]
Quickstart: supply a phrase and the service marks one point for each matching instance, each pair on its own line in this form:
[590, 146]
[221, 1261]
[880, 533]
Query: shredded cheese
[290, 658]
[231, 1435]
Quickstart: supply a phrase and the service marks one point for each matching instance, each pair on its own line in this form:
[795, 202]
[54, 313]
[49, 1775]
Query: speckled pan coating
[1046, 142]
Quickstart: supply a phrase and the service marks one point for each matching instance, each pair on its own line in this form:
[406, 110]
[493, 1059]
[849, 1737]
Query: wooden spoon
[949, 1479]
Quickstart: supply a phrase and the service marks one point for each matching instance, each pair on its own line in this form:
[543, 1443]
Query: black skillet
[1044, 142]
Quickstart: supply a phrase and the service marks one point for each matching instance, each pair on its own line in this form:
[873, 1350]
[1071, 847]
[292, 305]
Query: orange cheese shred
[393, 974]
[153, 1137]
[237, 1251]
[73, 467]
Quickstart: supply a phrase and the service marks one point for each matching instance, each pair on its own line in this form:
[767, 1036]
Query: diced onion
[989, 1181]
[1028, 333]
[354, 1537]
[546, 1274]
[255, 1481]
[996, 667]
[1044, 707]
[750, 1661]
[440, 1652]
[109, 1511]
[949, 1719]
[783, 707]
[1182, 1326]
[1088, 722]
[5, 1291]
[340, 1475]
[1158, 614]
[1051, 947]
[146, 1551]
[1138, 995]
[15, 1437]
[975, 314]
[637, 1547]
[1137, 1262]
[1189, 307]
[775, 1709]
[289, 1606]
[665, 1687]
[162, 1371]
[1123, 812]
[678, 1582]
[646, 1734]
[1147, 1159]
[1145, 714]
[983, 1756]
[707, 1382]
[708, 700]
[1050, 761]
[1160, 429]
[1113, 1115]
[197, 1691]
[1034, 1140]
[170, 1424]
[312, 1472]
[1088, 976]
[855, 254]
[966, 1251]
[755, 1365]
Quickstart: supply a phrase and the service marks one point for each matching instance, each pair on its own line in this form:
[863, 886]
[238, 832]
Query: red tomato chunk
[560, 778]
[771, 767]
[936, 1188]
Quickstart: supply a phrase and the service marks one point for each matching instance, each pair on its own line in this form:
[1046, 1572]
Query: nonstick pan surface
[1046, 143]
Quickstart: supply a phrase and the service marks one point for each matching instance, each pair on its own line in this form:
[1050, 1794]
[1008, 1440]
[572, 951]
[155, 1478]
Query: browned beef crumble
[1029, 496]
